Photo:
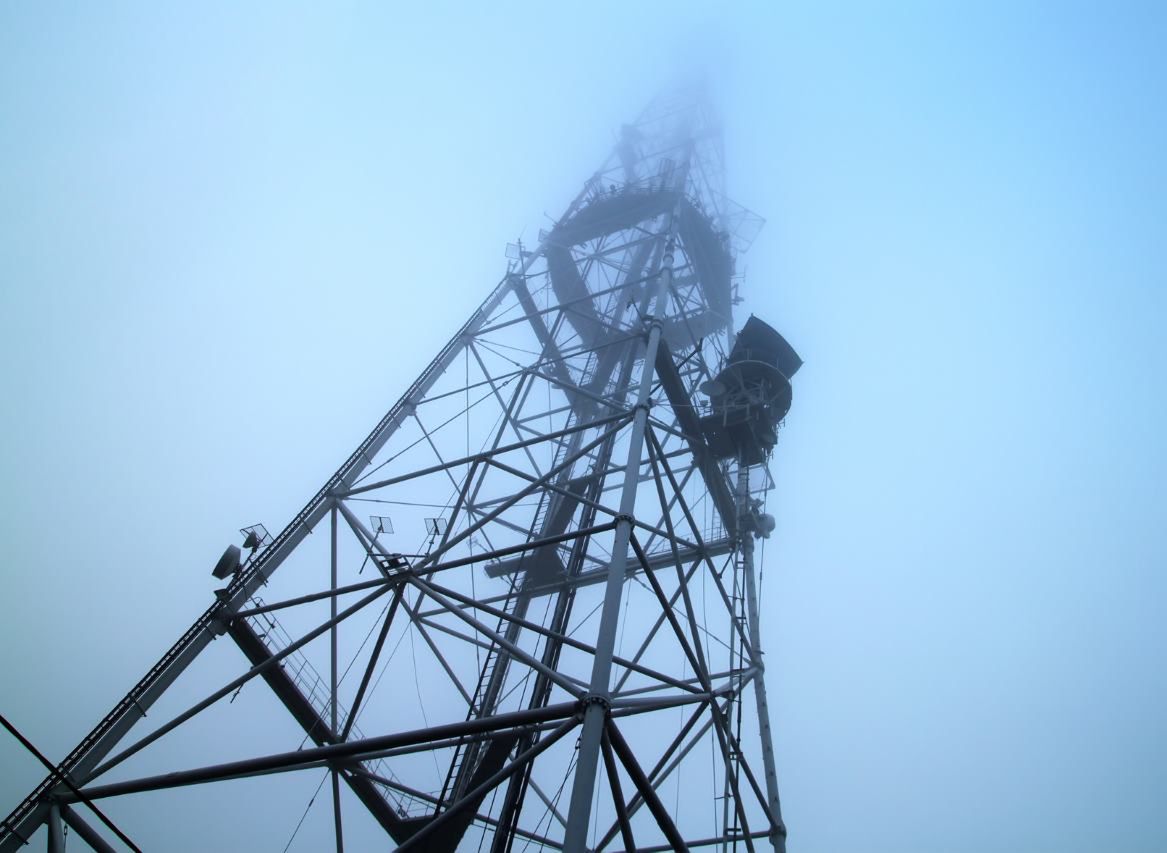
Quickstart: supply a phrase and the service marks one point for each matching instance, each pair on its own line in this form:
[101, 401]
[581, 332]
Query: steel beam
[617, 793]
[358, 749]
[646, 789]
[337, 823]
[527, 756]
[87, 833]
[558, 636]
[258, 669]
[579, 813]
[56, 829]
[777, 826]
[481, 457]
[372, 665]
[58, 777]
[724, 840]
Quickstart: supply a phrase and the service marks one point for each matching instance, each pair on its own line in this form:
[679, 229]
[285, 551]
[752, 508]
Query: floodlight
[255, 536]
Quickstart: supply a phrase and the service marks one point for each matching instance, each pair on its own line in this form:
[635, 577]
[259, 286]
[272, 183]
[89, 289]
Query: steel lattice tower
[556, 522]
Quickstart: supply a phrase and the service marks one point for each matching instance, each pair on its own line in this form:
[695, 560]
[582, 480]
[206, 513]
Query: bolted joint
[595, 699]
[646, 407]
[224, 612]
[650, 324]
[624, 516]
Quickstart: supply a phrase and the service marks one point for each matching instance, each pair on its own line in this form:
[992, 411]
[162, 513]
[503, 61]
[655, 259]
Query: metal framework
[524, 610]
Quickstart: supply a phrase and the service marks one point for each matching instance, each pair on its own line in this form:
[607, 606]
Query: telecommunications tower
[524, 612]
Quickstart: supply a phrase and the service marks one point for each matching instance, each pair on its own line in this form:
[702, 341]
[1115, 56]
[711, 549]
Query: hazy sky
[230, 238]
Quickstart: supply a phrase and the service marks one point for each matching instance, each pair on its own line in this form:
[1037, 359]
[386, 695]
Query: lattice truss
[533, 536]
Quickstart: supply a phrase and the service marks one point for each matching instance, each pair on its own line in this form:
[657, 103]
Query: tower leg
[596, 709]
[777, 827]
[56, 830]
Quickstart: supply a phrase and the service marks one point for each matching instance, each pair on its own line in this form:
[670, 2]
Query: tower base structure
[524, 610]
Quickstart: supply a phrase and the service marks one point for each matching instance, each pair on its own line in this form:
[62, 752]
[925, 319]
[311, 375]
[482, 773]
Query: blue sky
[229, 239]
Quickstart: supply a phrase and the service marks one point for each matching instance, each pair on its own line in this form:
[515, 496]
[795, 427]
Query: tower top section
[680, 126]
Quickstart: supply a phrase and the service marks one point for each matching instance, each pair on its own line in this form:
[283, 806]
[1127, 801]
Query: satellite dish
[229, 563]
[252, 541]
[712, 388]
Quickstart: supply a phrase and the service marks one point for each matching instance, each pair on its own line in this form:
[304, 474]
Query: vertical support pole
[745, 531]
[332, 679]
[596, 703]
[56, 830]
[336, 810]
[332, 632]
